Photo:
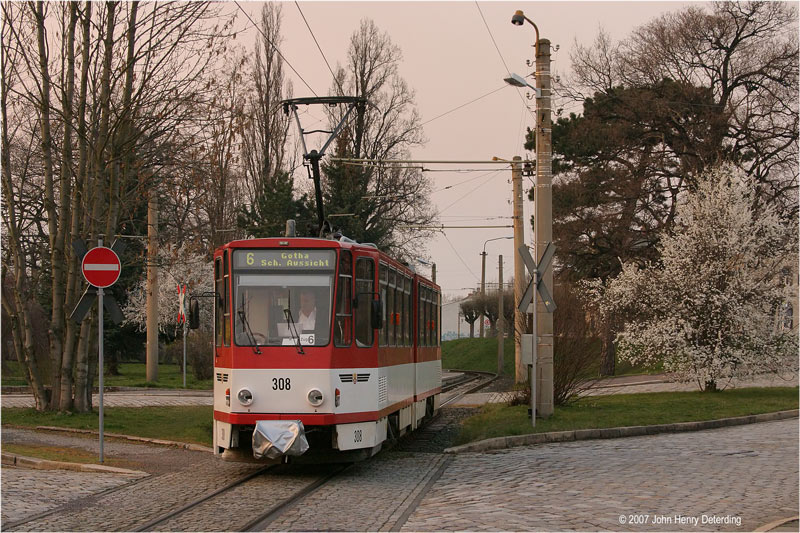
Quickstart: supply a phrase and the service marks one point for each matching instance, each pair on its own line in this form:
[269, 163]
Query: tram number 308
[281, 384]
[357, 436]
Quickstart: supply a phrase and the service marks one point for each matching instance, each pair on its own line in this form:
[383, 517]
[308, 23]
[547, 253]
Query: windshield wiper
[293, 330]
[250, 336]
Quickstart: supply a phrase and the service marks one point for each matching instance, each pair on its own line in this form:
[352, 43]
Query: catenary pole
[483, 285]
[152, 286]
[520, 322]
[543, 228]
[500, 319]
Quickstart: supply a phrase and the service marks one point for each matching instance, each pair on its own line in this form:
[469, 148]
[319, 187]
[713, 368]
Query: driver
[308, 311]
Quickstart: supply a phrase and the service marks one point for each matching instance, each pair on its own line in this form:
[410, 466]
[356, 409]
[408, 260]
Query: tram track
[179, 520]
[467, 386]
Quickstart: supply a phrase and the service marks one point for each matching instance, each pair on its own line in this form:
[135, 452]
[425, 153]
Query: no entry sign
[101, 267]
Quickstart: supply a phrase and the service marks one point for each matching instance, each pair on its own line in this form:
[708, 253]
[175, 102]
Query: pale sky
[449, 59]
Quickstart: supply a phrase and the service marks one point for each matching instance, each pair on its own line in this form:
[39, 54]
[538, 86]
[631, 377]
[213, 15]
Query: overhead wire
[335, 79]
[470, 191]
[463, 105]
[465, 181]
[444, 234]
[502, 59]
[275, 47]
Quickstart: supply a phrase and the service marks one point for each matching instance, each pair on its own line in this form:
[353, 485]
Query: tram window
[384, 335]
[342, 331]
[410, 317]
[420, 315]
[278, 304]
[365, 283]
[390, 301]
[226, 300]
[218, 302]
[423, 318]
[435, 325]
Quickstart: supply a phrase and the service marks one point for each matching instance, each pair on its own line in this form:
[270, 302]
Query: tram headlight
[245, 397]
[315, 397]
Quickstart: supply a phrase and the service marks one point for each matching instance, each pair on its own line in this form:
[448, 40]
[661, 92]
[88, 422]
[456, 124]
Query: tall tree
[382, 199]
[712, 307]
[138, 70]
[684, 92]
[271, 197]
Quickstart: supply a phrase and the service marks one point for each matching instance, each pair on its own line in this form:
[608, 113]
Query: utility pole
[483, 283]
[152, 286]
[543, 228]
[520, 322]
[433, 272]
[500, 320]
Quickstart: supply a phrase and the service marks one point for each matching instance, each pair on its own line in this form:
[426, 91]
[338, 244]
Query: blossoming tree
[712, 308]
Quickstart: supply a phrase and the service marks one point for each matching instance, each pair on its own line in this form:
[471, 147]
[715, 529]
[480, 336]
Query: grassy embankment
[497, 420]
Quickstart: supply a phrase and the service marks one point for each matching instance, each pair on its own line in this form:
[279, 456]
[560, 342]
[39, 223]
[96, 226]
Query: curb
[159, 442]
[777, 523]
[10, 459]
[501, 443]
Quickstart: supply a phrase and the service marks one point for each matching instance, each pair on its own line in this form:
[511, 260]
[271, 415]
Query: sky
[450, 58]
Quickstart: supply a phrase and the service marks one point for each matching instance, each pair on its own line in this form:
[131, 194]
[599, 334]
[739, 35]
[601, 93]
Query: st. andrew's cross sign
[537, 274]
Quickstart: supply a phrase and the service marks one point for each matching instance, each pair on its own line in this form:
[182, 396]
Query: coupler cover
[273, 439]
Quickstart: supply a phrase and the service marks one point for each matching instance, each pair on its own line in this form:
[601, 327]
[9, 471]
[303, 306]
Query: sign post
[536, 285]
[182, 320]
[101, 267]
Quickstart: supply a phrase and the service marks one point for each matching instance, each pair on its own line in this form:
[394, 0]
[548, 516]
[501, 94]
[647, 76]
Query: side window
[420, 315]
[218, 302]
[390, 306]
[226, 300]
[384, 334]
[365, 286]
[406, 312]
[437, 309]
[343, 327]
[423, 305]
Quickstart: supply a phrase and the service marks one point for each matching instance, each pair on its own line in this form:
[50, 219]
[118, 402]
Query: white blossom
[711, 308]
[175, 265]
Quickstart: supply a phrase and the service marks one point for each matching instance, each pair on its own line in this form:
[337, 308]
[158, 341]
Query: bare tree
[384, 199]
[139, 68]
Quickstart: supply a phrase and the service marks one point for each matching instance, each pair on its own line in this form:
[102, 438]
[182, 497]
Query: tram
[323, 347]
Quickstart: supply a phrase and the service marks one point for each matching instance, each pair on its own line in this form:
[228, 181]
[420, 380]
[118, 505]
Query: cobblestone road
[127, 399]
[747, 473]
[28, 492]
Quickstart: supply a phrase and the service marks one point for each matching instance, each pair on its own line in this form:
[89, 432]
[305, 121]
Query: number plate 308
[281, 384]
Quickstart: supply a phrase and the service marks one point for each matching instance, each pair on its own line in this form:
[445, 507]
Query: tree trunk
[608, 352]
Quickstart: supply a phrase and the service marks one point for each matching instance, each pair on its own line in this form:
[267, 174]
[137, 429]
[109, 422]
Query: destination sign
[285, 259]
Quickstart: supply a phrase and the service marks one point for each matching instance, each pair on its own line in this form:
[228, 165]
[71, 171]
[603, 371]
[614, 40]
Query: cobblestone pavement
[143, 398]
[745, 473]
[28, 492]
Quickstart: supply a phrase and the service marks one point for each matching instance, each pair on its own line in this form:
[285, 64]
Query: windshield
[283, 294]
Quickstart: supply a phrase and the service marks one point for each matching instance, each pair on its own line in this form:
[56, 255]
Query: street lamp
[542, 213]
[519, 19]
[483, 273]
[518, 81]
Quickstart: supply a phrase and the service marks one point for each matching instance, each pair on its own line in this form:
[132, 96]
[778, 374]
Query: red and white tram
[328, 341]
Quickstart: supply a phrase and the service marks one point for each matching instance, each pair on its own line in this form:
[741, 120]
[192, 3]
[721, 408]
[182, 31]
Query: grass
[170, 376]
[498, 420]
[63, 454]
[183, 424]
[481, 354]
[477, 354]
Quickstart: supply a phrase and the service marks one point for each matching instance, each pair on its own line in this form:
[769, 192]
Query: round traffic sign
[101, 267]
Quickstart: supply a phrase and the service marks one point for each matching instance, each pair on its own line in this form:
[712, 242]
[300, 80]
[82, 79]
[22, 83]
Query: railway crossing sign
[101, 267]
[537, 273]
